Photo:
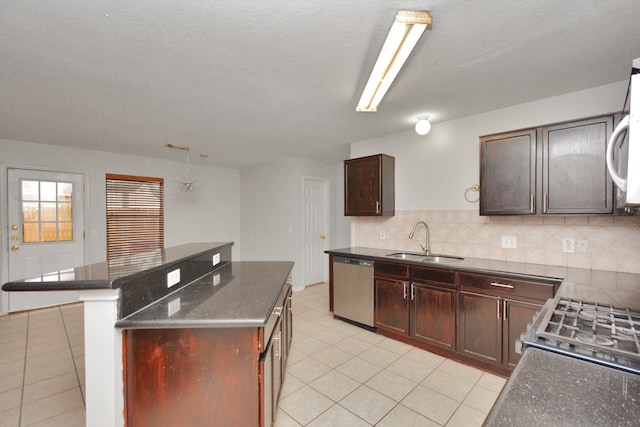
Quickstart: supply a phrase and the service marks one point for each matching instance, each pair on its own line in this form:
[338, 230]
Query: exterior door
[315, 231]
[46, 231]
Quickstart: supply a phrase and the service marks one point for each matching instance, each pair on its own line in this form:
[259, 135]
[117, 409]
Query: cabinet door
[508, 173]
[517, 316]
[392, 305]
[433, 314]
[271, 376]
[575, 178]
[369, 186]
[480, 327]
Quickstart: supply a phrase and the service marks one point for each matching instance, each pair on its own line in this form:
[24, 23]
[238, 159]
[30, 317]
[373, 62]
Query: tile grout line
[24, 369]
[73, 358]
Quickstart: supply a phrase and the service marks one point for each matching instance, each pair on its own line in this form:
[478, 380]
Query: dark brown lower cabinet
[493, 311]
[392, 309]
[480, 332]
[207, 376]
[420, 310]
[518, 315]
[433, 314]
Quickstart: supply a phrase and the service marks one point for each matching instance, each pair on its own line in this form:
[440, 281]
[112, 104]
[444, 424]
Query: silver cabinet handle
[501, 285]
[278, 349]
[498, 308]
[545, 203]
[405, 290]
[532, 204]
[377, 207]
[413, 292]
[277, 311]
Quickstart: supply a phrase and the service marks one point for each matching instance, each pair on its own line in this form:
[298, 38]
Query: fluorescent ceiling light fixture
[402, 38]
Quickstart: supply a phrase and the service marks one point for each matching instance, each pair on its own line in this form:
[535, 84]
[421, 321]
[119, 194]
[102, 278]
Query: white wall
[271, 204]
[433, 171]
[211, 213]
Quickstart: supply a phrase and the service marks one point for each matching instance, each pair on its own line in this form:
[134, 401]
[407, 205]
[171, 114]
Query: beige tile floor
[42, 368]
[342, 375]
[338, 374]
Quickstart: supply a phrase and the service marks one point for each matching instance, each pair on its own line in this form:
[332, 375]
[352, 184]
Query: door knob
[14, 227]
[14, 238]
[14, 248]
[323, 237]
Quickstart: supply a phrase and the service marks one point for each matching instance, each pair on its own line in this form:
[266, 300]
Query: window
[47, 211]
[135, 215]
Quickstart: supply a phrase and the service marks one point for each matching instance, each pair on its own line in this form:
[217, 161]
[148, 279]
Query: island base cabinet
[191, 377]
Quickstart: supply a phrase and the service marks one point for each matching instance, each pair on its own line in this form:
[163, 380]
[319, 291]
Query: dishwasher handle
[353, 261]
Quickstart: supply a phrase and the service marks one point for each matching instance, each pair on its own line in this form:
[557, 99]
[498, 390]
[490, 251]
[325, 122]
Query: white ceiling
[247, 82]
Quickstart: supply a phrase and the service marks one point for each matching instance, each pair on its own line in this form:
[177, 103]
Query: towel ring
[474, 187]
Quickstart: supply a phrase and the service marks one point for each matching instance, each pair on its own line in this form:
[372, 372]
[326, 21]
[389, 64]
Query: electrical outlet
[383, 235]
[509, 242]
[173, 307]
[568, 245]
[582, 246]
[173, 277]
[216, 259]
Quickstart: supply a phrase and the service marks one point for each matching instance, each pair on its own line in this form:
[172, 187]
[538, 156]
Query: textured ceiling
[247, 82]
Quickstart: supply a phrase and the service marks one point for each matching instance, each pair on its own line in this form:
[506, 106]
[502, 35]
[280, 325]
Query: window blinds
[135, 215]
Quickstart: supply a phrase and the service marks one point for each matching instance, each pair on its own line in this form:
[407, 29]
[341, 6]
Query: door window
[47, 211]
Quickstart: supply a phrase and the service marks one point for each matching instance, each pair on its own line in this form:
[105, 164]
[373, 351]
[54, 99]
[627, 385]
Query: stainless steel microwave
[623, 158]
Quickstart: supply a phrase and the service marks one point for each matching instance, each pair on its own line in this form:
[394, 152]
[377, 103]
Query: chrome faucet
[425, 248]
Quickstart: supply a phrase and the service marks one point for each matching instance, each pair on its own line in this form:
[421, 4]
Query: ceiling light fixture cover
[405, 32]
[423, 126]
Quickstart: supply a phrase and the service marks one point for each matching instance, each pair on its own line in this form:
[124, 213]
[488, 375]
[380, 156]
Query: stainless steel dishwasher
[353, 289]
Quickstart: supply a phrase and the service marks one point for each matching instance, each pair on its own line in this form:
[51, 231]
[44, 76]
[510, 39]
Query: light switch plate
[568, 245]
[173, 277]
[216, 259]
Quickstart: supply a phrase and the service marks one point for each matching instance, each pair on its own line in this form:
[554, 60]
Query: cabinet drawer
[276, 314]
[391, 269]
[507, 286]
[431, 275]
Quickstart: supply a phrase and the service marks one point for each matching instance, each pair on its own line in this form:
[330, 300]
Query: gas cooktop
[599, 333]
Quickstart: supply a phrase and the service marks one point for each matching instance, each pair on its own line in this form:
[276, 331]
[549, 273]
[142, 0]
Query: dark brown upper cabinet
[555, 169]
[508, 173]
[369, 186]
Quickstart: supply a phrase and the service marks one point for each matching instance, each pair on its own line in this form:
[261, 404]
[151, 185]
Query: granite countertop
[239, 294]
[112, 274]
[608, 287]
[549, 389]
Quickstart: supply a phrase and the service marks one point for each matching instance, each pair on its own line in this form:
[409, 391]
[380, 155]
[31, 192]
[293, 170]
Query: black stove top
[599, 333]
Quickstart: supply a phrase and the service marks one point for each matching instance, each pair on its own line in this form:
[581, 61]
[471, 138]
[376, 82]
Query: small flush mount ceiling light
[423, 126]
[405, 32]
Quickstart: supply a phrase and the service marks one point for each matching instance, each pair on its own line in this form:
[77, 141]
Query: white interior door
[316, 265]
[46, 231]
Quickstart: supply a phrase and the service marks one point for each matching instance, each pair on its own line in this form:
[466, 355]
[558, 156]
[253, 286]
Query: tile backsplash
[612, 242]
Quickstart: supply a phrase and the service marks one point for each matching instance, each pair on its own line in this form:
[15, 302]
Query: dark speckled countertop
[239, 294]
[610, 287]
[549, 389]
[114, 273]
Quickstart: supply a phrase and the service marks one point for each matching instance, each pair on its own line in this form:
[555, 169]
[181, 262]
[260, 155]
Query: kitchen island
[190, 334]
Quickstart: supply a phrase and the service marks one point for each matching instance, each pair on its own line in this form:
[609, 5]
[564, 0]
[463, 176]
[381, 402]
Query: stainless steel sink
[421, 257]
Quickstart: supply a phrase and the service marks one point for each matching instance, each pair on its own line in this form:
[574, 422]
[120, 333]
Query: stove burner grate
[586, 325]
